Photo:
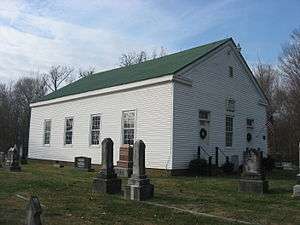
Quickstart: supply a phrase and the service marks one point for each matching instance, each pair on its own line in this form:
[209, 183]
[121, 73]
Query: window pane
[128, 127]
[47, 132]
[95, 122]
[68, 137]
[69, 131]
[47, 138]
[69, 124]
[95, 137]
[229, 131]
[95, 130]
[128, 136]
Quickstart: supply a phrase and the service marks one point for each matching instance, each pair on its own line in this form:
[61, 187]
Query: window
[95, 129]
[229, 131]
[203, 115]
[230, 68]
[128, 127]
[47, 132]
[230, 105]
[250, 123]
[69, 131]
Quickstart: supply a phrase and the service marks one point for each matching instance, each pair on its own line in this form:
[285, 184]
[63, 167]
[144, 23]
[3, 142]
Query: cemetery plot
[66, 193]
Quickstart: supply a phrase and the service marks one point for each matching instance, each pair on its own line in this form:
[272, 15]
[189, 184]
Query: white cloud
[78, 33]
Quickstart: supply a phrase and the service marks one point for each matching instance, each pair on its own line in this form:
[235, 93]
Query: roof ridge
[169, 64]
[159, 58]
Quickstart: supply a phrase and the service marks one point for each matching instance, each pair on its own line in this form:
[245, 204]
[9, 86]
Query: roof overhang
[119, 88]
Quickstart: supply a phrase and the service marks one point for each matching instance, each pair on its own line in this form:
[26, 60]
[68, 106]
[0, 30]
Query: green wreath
[249, 137]
[203, 133]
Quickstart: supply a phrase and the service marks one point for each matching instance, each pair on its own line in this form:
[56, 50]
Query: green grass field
[66, 193]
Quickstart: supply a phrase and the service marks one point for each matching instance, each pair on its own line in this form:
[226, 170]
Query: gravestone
[139, 187]
[296, 189]
[58, 164]
[235, 161]
[34, 211]
[253, 176]
[124, 165]
[83, 163]
[2, 159]
[106, 180]
[23, 155]
[12, 160]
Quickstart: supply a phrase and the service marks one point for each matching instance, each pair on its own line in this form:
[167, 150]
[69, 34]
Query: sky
[35, 34]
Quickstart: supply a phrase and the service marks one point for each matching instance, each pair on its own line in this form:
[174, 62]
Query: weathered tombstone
[58, 164]
[296, 189]
[23, 155]
[106, 180]
[253, 176]
[34, 211]
[83, 163]
[2, 159]
[124, 165]
[235, 161]
[139, 187]
[12, 160]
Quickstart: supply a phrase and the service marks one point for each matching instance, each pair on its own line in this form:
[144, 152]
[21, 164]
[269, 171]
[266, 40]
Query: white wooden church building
[205, 96]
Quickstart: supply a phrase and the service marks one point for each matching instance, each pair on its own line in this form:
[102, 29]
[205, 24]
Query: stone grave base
[138, 193]
[109, 186]
[138, 189]
[14, 169]
[253, 186]
[123, 172]
[85, 169]
[296, 191]
[24, 161]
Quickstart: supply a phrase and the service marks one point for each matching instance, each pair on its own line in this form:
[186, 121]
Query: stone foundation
[123, 172]
[253, 186]
[138, 189]
[109, 186]
[296, 191]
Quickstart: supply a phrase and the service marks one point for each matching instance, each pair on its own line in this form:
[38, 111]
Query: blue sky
[36, 34]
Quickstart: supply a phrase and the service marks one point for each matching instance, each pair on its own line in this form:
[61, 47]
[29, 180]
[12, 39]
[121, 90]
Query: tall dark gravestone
[106, 180]
[34, 211]
[2, 159]
[139, 187]
[253, 176]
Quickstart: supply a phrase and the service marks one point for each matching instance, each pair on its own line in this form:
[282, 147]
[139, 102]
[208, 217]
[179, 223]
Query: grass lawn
[66, 193]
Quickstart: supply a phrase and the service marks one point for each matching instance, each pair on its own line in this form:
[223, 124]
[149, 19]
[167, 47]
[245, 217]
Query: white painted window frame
[44, 132]
[122, 124]
[91, 129]
[65, 130]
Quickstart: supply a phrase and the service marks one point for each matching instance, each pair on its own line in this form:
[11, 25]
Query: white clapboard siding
[211, 85]
[153, 105]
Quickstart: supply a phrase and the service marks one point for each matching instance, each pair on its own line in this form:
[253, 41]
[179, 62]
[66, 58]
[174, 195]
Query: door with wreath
[204, 122]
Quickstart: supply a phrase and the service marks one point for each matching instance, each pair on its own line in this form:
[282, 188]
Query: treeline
[15, 99]
[281, 85]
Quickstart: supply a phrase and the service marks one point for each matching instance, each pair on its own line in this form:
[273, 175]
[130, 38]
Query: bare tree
[15, 102]
[85, 73]
[58, 75]
[268, 78]
[132, 58]
[289, 64]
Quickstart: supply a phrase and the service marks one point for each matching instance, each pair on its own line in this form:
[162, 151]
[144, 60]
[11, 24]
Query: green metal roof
[162, 66]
